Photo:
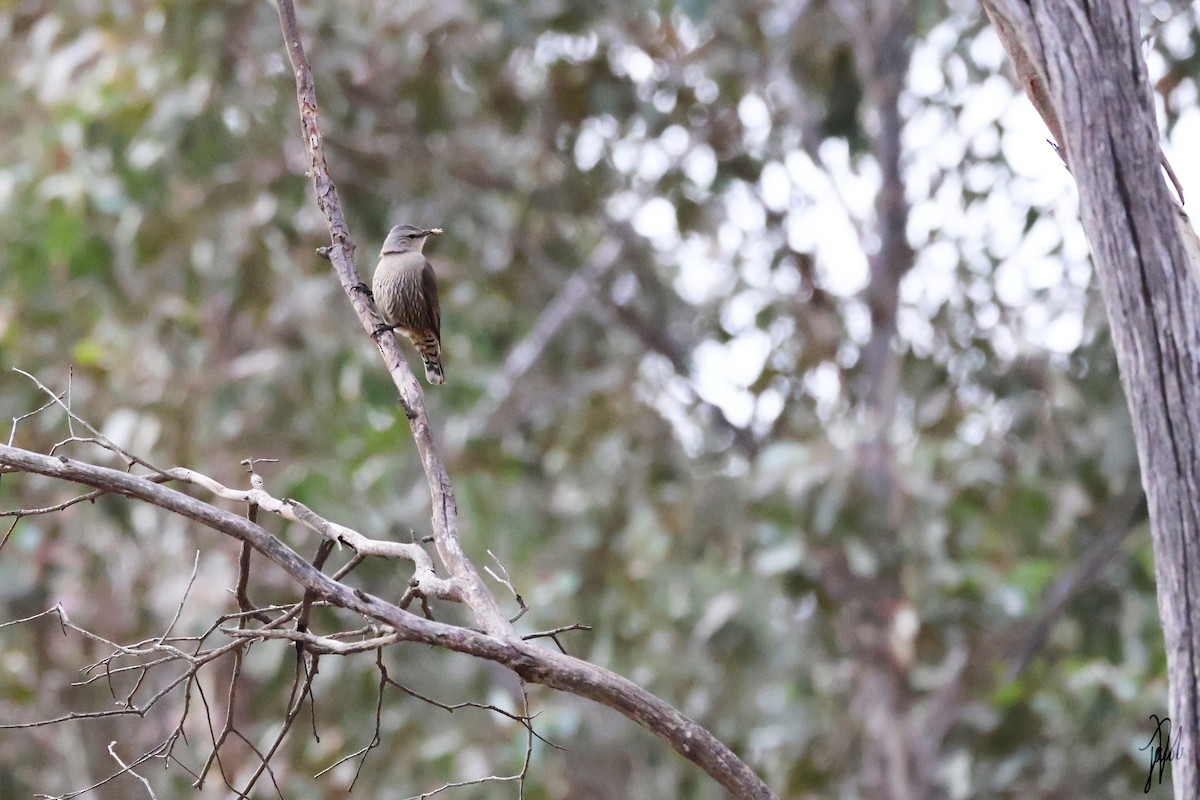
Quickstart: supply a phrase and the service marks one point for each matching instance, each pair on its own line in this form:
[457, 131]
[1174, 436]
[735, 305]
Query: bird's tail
[431, 353]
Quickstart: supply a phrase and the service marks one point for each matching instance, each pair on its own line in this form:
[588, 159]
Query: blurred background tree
[773, 352]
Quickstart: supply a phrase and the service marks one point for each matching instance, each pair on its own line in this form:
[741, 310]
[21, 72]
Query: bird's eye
[412, 236]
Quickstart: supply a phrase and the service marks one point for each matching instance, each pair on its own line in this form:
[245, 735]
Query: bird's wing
[433, 309]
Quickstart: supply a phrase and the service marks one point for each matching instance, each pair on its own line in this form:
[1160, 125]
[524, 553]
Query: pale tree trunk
[1081, 62]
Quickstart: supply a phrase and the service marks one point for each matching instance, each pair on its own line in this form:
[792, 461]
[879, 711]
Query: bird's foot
[362, 287]
[381, 329]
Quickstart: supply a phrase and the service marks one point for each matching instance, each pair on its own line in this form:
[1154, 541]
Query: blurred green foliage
[158, 239]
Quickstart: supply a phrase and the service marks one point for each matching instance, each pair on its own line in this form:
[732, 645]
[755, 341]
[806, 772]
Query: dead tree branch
[341, 255]
[532, 664]
[500, 641]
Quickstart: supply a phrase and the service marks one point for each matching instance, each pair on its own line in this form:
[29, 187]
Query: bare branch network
[170, 664]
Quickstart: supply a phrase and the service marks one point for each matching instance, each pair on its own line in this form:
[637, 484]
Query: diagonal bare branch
[531, 663]
[341, 255]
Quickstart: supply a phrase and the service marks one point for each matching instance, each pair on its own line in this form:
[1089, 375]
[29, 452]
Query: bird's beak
[434, 231]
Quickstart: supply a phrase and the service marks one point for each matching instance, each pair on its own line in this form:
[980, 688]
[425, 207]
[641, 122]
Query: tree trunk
[1085, 72]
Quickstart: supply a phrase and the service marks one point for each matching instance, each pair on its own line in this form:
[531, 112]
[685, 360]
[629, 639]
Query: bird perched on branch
[406, 295]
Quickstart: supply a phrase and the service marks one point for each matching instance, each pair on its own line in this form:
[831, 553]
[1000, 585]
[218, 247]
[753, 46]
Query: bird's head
[406, 239]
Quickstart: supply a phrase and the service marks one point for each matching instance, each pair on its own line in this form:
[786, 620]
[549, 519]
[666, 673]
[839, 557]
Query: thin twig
[129, 770]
